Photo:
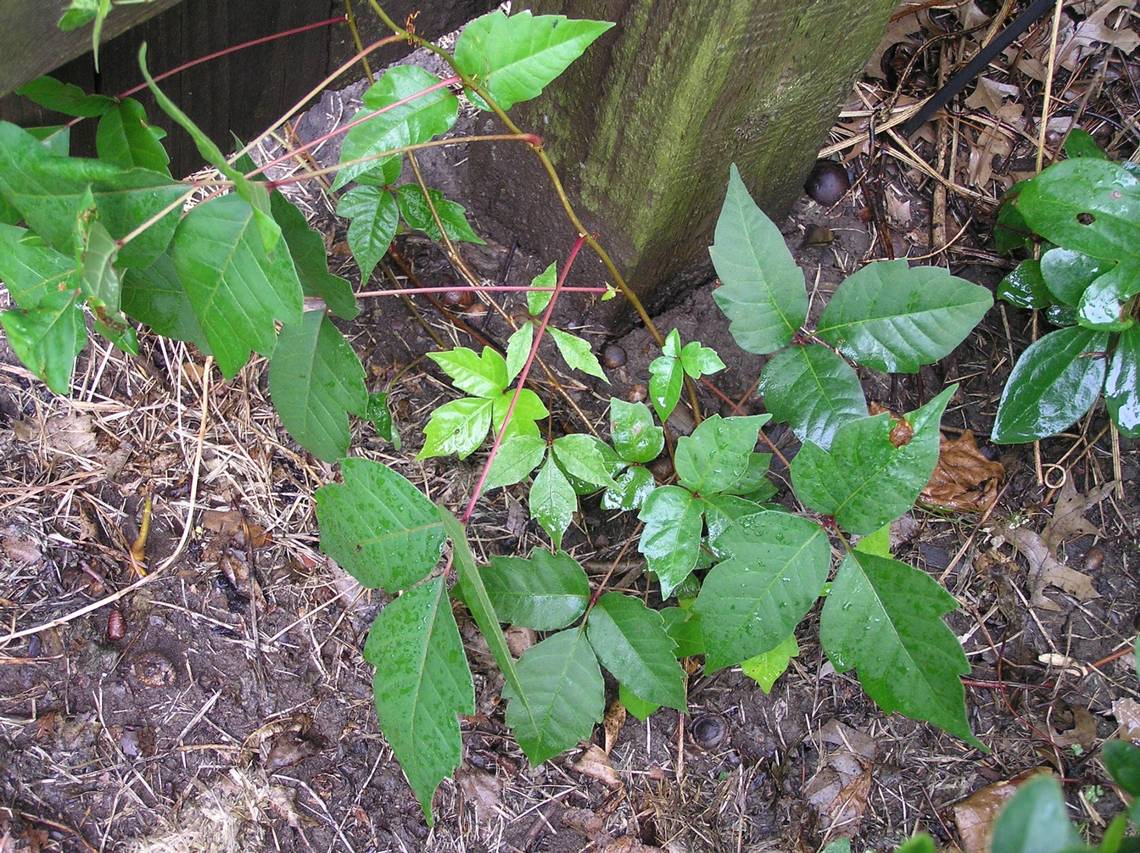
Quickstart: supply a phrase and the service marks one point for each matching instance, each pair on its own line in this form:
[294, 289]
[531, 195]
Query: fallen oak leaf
[1045, 569]
[595, 763]
[977, 814]
[1069, 508]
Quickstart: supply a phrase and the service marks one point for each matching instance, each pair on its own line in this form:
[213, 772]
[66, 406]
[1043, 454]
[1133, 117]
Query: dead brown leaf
[612, 723]
[233, 525]
[519, 639]
[840, 788]
[1127, 713]
[976, 814]
[1045, 569]
[1083, 731]
[596, 764]
[20, 548]
[964, 480]
[1069, 508]
[629, 844]
[70, 433]
[482, 790]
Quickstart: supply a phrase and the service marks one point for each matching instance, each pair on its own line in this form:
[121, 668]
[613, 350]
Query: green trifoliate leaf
[237, 286]
[1067, 274]
[577, 353]
[125, 138]
[564, 691]
[876, 467]
[671, 539]
[1035, 820]
[636, 438]
[422, 683]
[684, 628]
[762, 292]
[79, 13]
[372, 216]
[518, 456]
[752, 601]
[1088, 205]
[528, 409]
[813, 390]
[877, 543]
[720, 512]
[417, 120]
[631, 488]
[457, 427]
[31, 269]
[518, 348]
[514, 57]
[311, 260]
[1122, 383]
[894, 317]
[666, 378]
[552, 501]
[633, 703]
[316, 381]
[672, 345]
[754, 484]
[630, 641]
[378, 526]
[50, 190]
[47, 338]
[768, 666]
[698, 361]
[416, 212]
[716, 455]
[66, 98]
[544, 592]
[579, 456]
[1101, 305]
[1056, 380]
[884, 619]
[156, 296]
[379, 414]
[483, 375]
[1025, 287]
[99, 279]
[537, 300]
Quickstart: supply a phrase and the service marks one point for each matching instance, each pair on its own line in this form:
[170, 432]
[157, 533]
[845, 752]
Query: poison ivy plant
[1084, 211]
[667, 372]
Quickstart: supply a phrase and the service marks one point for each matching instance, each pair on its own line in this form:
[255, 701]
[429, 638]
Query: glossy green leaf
[866, 481]
[552, 501]
[1067, 273]
[579, 456]
[236, 286]
[576, 353]
[99, 279]
[1087, 205]
[125, 138]
[457, 427]
[813, 390]
[671, 539]
[1122, 760]
[1054, 383]
[422, 683]
[684, 628]
[529, 409]
[720, 513]
[921, 843]
[414, 208]
[544, 592]
[566, 695]
[518, 349]
[483, 375]
[631, 488]
[752, 601]
[518, 456]
[754, 483]
[156, 296]
[378, 413]
[537, 300]
[1102, 303]
[316, 381]
[1035, 820]
[378, 526]
[766, 667]
[1122, 383]
[637, 707]
[877, 543]
[372, 215]
[716, 455]
[1025, 287]
[666, 378]
[47, 338]
[31, 269]
[418, 120]
[636, 438]
[514, 57]
[884, 619]
[1061, 315]
[1080, 143]
[49, 191]
[762, 292]
[894, 317]
[630, 641]
[66, 98]
[311, 260]
[1011, 231]
[55, 138]
[698, 360]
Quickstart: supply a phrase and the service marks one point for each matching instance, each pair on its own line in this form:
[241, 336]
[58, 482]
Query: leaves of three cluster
[667, 372]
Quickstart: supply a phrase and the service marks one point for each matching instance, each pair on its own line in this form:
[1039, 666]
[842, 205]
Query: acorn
[116, 625]
[828, 182]
[613, 356]
[708, 731]
[1094, 559]
[636, 393]
[459, 298]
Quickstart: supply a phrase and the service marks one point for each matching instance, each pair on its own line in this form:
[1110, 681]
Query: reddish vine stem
[575, 249]
[489, 288]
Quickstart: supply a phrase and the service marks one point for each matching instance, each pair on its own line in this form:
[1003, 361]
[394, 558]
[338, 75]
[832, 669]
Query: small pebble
[828, 182]
[1094, 559]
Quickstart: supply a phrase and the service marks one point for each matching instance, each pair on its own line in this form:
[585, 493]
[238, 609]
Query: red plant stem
[218, 54]
[575, 249]
[336, 131]
[491, 288]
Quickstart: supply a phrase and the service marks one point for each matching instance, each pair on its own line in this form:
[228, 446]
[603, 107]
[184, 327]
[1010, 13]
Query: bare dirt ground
[224, 705]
